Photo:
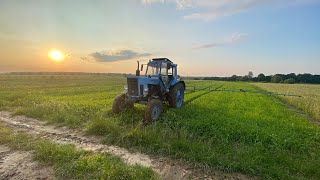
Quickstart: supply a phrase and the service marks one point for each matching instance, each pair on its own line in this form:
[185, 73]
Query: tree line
[291, 78]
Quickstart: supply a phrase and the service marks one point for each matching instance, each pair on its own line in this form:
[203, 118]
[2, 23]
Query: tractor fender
[184, 84]
[177, 82]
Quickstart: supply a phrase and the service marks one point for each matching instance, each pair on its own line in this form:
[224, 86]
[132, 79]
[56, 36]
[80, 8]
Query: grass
[310, 103]
[71, 163]
[70, 100]
[234, 132]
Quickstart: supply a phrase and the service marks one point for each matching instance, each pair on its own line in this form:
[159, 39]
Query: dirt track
[19, 165]
[166, 168]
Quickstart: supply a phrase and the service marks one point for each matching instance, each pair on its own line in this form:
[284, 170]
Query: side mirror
[141, 67]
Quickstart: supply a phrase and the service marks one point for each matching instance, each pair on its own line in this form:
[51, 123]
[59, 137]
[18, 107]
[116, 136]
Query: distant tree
[261, 78]
[308, 78]
[316, 79]
[283, 77]
[268, 78]
[233, 78]
[290, 81]
[244, 78]
[276, 78]
[291, 75]
[305, 78]
[299, 78]
[250, 75]
[255, 79]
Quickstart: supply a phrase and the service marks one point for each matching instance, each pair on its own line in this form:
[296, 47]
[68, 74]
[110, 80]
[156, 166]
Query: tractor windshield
[155, 68]
[152, 71]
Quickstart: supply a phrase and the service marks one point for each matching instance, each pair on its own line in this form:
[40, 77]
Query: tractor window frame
[153, 69]
[170, 71]
[164, 69]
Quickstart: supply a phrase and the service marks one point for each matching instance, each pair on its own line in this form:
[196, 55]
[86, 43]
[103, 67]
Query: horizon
[122, 73]
[205, 38]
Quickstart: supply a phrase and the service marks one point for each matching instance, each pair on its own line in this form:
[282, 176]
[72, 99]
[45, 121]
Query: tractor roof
[162, 59]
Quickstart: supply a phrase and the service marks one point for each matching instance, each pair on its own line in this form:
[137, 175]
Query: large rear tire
[119, 104]
[153, 111]
[176, 96]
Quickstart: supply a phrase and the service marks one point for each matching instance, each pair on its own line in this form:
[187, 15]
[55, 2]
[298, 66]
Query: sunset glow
[56, 55]
[205, 37]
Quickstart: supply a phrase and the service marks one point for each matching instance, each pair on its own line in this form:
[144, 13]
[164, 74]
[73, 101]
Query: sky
[204, 37]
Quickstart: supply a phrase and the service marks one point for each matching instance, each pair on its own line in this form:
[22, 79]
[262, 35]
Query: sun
[56, 55]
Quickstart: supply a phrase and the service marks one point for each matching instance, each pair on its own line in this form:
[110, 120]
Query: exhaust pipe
[138, 71]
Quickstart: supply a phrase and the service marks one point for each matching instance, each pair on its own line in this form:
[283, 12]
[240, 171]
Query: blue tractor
[159, 84]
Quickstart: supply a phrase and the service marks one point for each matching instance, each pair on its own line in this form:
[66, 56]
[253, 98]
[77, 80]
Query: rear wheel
[153, 111]
[176, 96]
[120, 104]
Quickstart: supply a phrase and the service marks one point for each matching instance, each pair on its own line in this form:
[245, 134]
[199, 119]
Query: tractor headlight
[125, 88]
[145, 91]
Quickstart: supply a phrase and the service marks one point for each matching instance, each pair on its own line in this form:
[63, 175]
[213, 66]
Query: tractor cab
[159, 83]
[163, 69]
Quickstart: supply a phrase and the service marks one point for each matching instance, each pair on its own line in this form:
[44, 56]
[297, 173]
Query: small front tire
[153, 111]
[119, 104]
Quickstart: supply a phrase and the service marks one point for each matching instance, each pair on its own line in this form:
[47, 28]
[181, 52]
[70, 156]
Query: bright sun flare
[56, 55]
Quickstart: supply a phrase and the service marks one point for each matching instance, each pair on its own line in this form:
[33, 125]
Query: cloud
[205, 46]
[181, 4]
[213, 9]
[115, 55]
[223, 8]
[237, 37]
[233, 39]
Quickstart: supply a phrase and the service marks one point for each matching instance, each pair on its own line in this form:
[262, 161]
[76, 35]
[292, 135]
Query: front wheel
[153, 111]
[120, 104]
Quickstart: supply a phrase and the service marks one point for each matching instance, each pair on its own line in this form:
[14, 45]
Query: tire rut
[164, 167]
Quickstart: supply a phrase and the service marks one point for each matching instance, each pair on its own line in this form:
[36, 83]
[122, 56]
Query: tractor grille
[141, 89]
[132, 86]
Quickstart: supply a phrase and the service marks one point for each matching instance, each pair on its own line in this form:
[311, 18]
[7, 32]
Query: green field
[310, 103]
[234, 132]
